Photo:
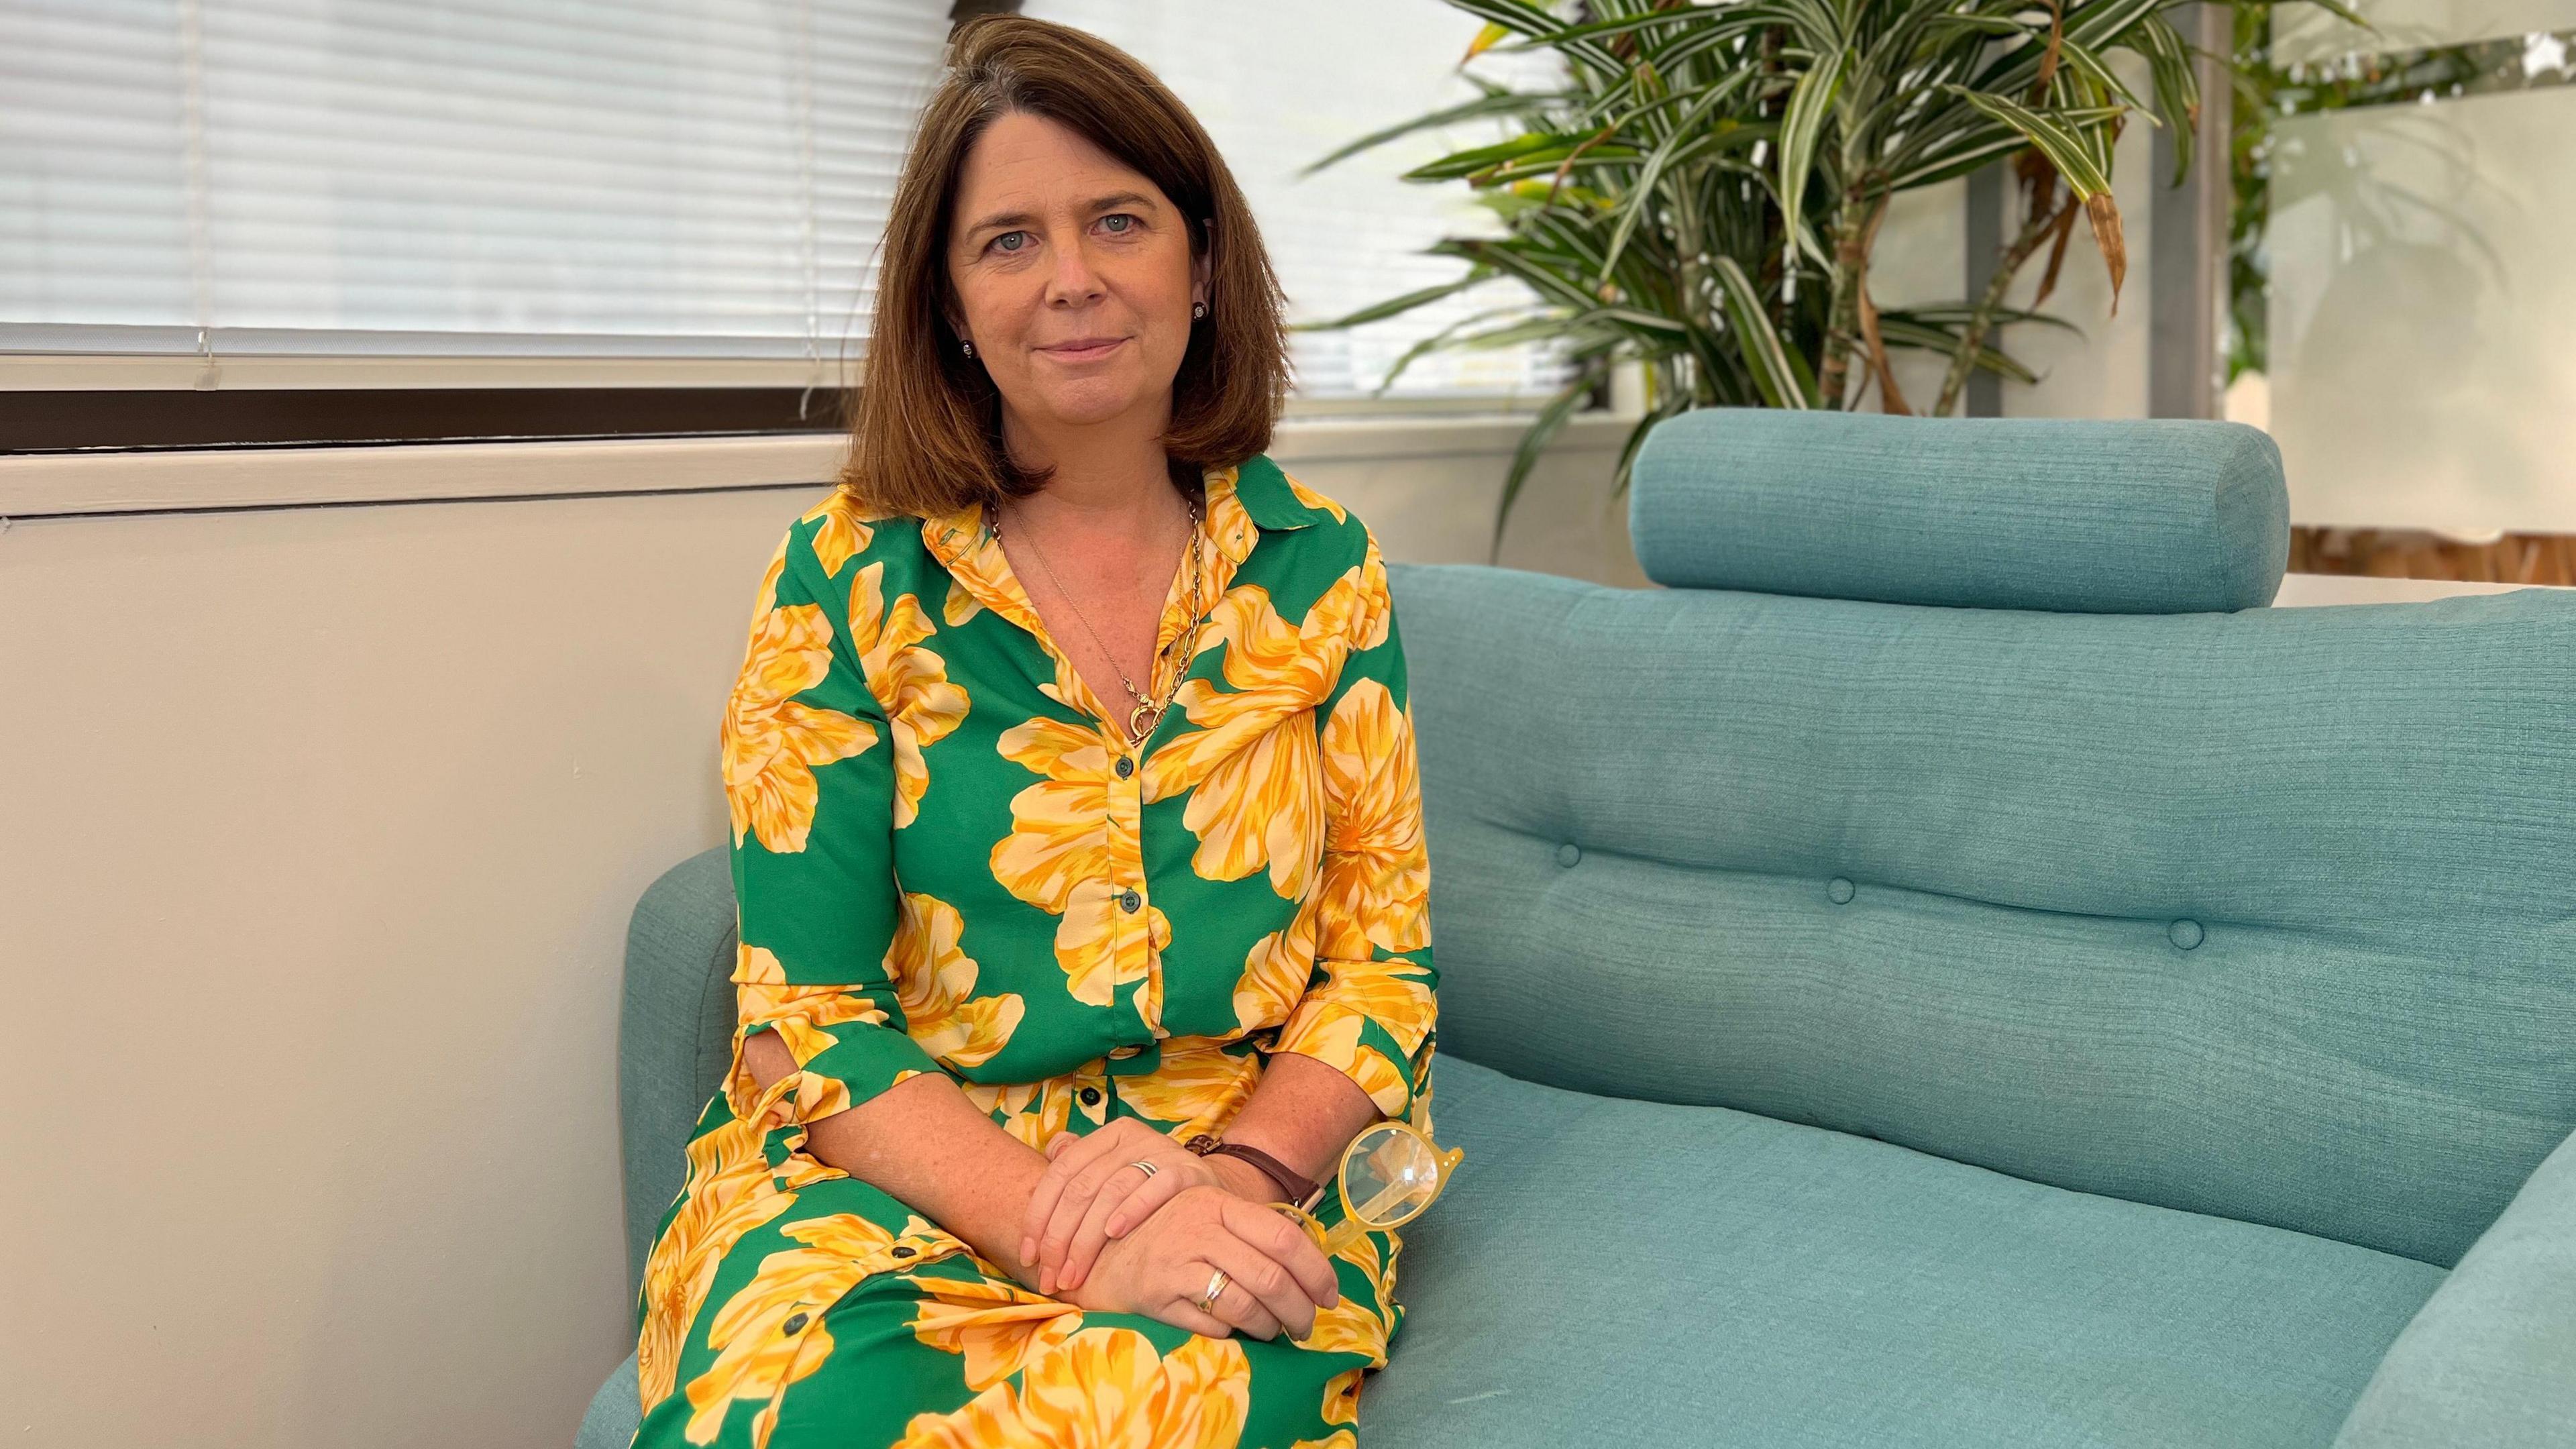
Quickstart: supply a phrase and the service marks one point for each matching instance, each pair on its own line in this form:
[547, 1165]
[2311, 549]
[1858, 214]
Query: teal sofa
[1952, 968]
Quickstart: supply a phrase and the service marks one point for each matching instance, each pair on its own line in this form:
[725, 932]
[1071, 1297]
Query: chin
[1096, 401]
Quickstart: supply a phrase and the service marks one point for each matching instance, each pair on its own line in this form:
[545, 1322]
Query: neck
[1106, 475]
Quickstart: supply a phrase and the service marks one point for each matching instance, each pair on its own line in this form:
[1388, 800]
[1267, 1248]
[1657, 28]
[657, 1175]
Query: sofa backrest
[2268, 913]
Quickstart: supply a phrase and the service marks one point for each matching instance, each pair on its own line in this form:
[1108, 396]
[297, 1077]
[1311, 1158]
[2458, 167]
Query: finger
[1181, 1314]
[1276, 1290]
[1285, 1244]
[1075, 1204]
[1042, 1197]
[1236, 1306]
[1145, 1201]
[1067, 1154]
[1117, 1200]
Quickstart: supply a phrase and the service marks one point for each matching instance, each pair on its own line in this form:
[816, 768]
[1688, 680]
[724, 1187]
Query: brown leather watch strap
[1299, 1190]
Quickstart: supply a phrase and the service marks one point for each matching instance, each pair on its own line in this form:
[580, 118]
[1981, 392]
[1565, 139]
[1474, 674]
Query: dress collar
[1243, 502]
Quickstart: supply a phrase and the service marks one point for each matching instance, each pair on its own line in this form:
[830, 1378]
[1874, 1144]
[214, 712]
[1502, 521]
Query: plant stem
[1688, 240]
[1981, 319]
[1842, 312]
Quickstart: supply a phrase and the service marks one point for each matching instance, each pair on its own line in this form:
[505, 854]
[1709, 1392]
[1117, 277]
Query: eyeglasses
[1391, 1171]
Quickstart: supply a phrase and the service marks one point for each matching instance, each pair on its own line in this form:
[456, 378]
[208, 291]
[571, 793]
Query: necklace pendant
[1141, 720]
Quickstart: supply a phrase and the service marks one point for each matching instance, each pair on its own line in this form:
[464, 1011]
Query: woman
[1075, 830]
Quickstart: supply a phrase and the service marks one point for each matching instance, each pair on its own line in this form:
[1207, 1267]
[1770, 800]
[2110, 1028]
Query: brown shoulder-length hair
[925, 435]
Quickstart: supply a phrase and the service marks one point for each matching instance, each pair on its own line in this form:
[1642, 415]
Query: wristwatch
[1300, 1191]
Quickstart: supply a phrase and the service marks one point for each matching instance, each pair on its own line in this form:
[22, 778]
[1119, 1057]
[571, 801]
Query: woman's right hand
[1277, 1277]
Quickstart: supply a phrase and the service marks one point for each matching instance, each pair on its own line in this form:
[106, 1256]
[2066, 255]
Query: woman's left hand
[1093, 1191]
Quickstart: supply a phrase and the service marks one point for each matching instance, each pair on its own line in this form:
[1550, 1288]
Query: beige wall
[318, 831]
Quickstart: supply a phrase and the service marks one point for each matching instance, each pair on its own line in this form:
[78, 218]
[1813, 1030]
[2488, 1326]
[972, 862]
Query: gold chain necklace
[1148, 711]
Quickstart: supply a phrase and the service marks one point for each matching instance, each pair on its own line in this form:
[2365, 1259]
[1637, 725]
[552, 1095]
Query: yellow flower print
[1030, 1111]
[910, 683]
[1315, 500]
[730, 1192]
[1060, 859]
[844, 534]
[935, 981]
[768, 598]
[801, 1015]
[998, 1326]
[959, 606]
[1377, 873]
[1105, 1388]
[1351, 1326]
[1197, 1085]
[1098, 957]
[1252, 768]
[771, 1332]
[1277, 968]
[1389, 991]
[1339, 1438]
[772, 743]
[1331, 1033]
[1342, 1398]
[1056, 839]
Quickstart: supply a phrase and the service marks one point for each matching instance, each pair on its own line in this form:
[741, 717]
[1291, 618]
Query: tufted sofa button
[1838, 890]
[2185, 934]
[1568, 853]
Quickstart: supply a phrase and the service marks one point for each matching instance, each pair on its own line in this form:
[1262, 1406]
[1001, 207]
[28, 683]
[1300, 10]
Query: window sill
[194, 480]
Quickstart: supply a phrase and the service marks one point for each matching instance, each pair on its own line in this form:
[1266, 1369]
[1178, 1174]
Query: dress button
[1091, 1096]
[795, 1324]
[1568, 853]
[1838, 890]
[1126, 767]
[1128, 901]
[2185, 934]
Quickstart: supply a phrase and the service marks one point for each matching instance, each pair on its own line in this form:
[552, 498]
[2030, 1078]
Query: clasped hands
[1103, 1234]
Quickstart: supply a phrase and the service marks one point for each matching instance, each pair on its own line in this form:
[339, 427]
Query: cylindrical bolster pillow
[2068, 515]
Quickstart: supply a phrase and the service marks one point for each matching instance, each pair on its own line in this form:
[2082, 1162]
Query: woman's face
[1074, 275]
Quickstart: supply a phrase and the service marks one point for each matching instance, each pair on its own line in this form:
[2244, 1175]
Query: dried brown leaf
[2105, 215]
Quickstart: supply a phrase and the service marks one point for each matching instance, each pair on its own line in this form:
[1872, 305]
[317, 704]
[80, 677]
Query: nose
[1073, 279]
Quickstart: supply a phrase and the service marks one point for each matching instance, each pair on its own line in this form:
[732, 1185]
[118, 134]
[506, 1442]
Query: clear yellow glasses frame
[1391, 1172]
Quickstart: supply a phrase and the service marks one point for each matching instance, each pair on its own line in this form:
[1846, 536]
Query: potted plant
[1703, 191]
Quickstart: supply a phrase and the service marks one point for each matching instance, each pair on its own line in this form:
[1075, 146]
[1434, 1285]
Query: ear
[1203, 266]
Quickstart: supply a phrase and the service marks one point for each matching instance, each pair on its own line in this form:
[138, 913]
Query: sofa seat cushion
[1606, 1271]
[1613, 1272]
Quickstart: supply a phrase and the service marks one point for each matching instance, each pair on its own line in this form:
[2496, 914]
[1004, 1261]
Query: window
[284, 221]
[2402, 281]
[1280, 86]
[400, 205]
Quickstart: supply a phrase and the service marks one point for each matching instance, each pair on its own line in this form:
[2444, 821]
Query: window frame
[60, 403]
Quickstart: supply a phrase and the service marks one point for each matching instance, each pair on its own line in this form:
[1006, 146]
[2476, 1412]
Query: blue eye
[997, 241]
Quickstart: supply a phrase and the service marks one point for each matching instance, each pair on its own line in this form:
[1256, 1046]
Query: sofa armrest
[674, 1034]
[2490, 1359]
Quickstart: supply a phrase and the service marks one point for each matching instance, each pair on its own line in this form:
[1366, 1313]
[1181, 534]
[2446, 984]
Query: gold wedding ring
[1216, 1285]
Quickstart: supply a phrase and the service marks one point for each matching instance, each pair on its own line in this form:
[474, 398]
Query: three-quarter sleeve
[810, 782]
[1371, 1005]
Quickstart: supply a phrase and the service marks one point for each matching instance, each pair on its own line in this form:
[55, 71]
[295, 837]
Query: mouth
[1085, 349]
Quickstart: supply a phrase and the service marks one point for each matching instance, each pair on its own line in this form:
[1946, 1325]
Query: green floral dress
[945, 862]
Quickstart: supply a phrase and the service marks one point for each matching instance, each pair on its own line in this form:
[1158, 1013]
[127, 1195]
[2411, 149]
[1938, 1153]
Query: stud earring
[970, 348]
[1198, 309]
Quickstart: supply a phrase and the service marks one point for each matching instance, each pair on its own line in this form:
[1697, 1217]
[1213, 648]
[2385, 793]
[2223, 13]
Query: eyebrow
[1096, 204]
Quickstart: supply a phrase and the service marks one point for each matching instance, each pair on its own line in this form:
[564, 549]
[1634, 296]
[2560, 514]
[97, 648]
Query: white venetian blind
[466, 178]
[1280, 85]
